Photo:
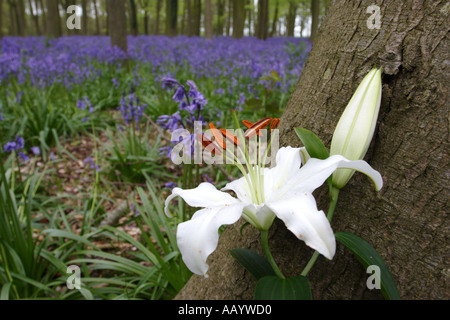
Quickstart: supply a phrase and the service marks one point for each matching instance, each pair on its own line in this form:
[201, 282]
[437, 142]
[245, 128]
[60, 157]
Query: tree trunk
[171, 17]
[158, 16]
[134, 21]
[85, 18]
[407, 220]
[97, 18]
[208, 20]
[196, 17]
[220, 17]
[117, 23]
[315, 13]
[273, 31]
[238, 18]
[34, 14]
[230, 14]
[263, 19]
[292, 15]
[53, 19]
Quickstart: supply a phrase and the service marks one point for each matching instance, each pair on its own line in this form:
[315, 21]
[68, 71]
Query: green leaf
[368, 256]
[275, 288]
[312, 143]
[253, 263]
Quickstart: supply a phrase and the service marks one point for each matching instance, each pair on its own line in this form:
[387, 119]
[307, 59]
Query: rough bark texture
[407, 220]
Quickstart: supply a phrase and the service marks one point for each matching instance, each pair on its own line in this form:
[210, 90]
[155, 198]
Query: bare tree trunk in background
[117, 24]
[220, 17]
[249, 15]
[196, 17]
[1, 19]
[315, 13]
[158, 16]
[238, 18]
[34, 14]
[22, 21]
[85, 18]
[407, 221]
[208, 20]
[53, 19]
[230, 13]
[97, 18]
[145, 18]
[263, 19]
[44, 15]
[291, 17]
[134, 21]
[273, 31]
[171, 17]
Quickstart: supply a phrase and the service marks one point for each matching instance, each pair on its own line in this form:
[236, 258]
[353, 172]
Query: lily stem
[265, 246]
[334, 192]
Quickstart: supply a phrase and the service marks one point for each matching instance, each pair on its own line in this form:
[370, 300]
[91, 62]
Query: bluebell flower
[24, 157]
[92, 164]
[36, 151]
[169, 83]
[16, 145]
[179, 94]
[170, 185]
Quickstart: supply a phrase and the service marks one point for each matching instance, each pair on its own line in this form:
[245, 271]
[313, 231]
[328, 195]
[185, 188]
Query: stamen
[261, 124]
[228, 135]
[275, 123]
[218, 136]
[209, 145]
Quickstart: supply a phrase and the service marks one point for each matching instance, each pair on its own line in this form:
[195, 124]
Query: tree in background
[117, 23]
[315, 13]
[53, 19]
[262, 29]
[208, 19]
[238, 18]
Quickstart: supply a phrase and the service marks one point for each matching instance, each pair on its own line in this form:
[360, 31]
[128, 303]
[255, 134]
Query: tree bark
[238, 18]
[407, 221]
[208, 20]
[53, 19]
[117, 24]
[34, 14]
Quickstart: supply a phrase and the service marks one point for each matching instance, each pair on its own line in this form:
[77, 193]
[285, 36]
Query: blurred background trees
[208, 18]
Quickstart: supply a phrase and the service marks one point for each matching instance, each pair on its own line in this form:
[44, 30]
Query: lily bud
[356, 126]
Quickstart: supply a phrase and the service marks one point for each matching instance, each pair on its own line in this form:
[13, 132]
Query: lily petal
[205, 195]
[288, 162]
[302, 218]
[198, 237]
[314, 173]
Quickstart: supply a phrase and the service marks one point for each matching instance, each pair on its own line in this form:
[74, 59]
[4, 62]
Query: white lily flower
[284, 191]
[356, 126]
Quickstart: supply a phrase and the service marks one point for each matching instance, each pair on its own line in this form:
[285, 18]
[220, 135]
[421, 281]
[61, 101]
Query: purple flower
[24, 157]
[179, 94]
[171, 123]
[36, 151]
[170, 185]
[169, 83]
[92, 164]
[16, 145]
